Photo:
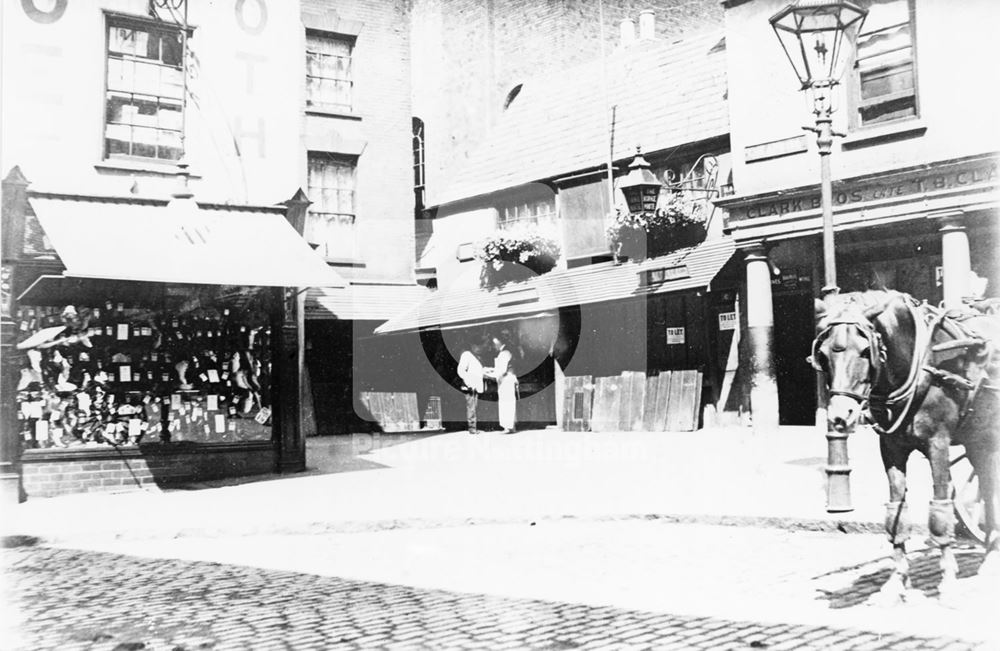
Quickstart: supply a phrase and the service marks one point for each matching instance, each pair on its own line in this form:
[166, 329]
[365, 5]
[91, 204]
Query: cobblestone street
[587, 584]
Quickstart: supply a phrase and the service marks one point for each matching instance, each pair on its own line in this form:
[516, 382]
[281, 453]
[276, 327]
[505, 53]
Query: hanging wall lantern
[640, 186]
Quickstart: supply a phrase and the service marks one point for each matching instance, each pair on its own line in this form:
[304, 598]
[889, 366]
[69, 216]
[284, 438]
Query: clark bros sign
[944, 177]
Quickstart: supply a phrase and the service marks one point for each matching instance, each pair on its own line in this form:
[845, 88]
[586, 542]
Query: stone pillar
[760, 334]
[14, 204]
[955, 259]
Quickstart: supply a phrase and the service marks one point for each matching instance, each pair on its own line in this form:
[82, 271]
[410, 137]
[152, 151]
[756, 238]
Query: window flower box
[654, 233]
[509, 256]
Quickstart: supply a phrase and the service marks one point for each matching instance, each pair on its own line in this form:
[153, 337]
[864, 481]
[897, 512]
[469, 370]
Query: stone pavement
[364, 482]
[608, 585]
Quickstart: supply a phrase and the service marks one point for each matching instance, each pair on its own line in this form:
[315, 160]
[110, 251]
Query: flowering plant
[508, 255]
[655, 232]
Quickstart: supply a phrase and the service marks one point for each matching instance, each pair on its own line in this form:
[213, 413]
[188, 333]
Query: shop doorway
[793, 334]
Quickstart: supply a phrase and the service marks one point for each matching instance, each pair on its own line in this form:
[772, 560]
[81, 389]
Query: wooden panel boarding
[649, 404]
[632, 401]
[607, 404]
[394, 412]
[662, 395]
[578, 398]
[683, 402]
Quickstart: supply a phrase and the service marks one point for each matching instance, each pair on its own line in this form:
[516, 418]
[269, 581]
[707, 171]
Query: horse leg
[941, 517]
[897, 524]
[986, 461]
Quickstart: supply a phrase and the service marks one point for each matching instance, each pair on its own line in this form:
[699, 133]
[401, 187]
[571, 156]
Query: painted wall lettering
[241, 135]
[42, 16]
[246, 18]
[250, 62]
[864, 192]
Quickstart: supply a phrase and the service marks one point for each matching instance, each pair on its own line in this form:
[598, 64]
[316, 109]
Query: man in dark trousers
[470, 370]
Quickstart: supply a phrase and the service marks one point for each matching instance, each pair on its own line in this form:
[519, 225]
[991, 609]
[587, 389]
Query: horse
[923, 378]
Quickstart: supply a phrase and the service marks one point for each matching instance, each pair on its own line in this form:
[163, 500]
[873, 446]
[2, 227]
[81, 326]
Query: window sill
[147, 167]
[877, 135]
[331, 113]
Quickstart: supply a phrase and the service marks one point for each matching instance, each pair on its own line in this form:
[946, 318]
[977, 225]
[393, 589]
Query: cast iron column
[838, 468]
[290, 343]
[955, 260]
[14, 201]
[760, 333]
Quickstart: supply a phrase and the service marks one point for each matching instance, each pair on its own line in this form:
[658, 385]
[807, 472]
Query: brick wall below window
[46, 473]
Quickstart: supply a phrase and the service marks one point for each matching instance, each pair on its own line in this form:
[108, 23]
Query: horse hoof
[890, 595]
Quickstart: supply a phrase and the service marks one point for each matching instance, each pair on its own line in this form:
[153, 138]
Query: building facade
[211, 121]
[914, 173]
[542, 169]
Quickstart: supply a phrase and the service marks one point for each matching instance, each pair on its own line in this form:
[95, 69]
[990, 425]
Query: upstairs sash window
[885, 86]
[331, 188]
[329, 78]
[144, 101]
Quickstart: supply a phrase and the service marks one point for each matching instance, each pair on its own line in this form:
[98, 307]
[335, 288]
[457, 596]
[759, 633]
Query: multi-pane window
[144, 102]
[419, 182]
[331, 188]
[329, 81]
[885, 74]
[529, 212]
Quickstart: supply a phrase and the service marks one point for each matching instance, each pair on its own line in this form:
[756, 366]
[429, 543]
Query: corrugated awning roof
[665, 94]
[363, 301]
[185, 243]
[685, 269]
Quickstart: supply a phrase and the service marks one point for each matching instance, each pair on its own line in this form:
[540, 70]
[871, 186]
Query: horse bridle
[876, 358]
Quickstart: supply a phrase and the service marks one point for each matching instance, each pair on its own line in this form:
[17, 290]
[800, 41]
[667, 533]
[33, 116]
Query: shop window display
[121, 376]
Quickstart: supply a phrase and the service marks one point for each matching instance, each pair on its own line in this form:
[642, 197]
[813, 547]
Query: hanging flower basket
[653, 233]
[512, 256]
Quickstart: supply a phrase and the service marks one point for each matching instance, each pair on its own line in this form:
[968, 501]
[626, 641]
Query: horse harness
[922, 373]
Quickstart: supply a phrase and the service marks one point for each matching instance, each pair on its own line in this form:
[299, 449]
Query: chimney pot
[626, 29]
[647, 25]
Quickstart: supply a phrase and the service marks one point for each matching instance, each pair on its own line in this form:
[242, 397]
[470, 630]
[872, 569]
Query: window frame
[113, 20]
[419, 166]
[526, 212]
[315, 193]
[855, 102]
[315, 105]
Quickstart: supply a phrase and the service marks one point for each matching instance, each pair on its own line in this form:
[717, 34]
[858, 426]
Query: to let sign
[727, 321]
[675, 336]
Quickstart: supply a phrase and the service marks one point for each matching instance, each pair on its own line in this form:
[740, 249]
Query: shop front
[647, 316]
[150, 341]
[931, 231]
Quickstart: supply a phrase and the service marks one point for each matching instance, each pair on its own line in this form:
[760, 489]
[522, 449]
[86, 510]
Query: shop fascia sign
[968, 175]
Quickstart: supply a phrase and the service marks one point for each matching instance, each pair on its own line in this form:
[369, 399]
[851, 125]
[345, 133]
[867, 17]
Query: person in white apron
[506, 378]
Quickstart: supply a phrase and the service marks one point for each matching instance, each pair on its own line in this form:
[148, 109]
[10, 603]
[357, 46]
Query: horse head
[863, 345]
[849, 352]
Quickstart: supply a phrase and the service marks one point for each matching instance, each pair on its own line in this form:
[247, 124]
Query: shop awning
[363, 301]
[692, 268]
[146, 241]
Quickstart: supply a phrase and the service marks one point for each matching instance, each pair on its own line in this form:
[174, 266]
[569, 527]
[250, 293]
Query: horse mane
[867, 304]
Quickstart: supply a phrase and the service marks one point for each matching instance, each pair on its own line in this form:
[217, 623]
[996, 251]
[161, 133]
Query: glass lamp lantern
[817, 36]
[640, 186]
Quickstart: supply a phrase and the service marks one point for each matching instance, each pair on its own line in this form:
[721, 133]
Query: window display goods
[118, 376]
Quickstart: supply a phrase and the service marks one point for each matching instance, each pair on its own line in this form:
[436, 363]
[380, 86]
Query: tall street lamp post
[817, 37]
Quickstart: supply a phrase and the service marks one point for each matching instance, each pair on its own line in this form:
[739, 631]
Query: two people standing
[472, 373]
